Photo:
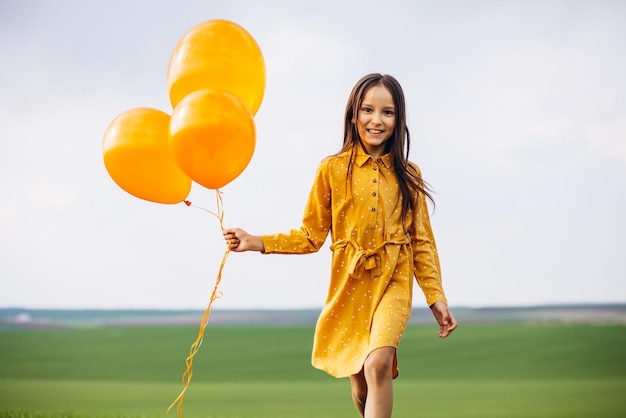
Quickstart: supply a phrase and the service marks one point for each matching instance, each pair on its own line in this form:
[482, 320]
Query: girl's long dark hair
[411, 184]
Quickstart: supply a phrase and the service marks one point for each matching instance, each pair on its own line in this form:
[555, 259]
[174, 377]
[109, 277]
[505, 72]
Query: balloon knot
[187, 202]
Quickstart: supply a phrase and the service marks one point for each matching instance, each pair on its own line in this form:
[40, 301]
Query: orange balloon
[212, 137]
[217, 54]
[138, 158]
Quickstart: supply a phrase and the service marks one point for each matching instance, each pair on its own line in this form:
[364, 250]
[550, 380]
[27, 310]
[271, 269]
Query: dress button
[375, 168]
[374, 180]
[373, 209]
[374, 194]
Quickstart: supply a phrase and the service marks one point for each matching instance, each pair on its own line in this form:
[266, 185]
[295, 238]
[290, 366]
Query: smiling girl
[372, 201]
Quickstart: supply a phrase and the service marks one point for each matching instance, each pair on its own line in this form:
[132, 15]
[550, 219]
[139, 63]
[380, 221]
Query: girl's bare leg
[372, 387]
[359, 391]
[378, 375]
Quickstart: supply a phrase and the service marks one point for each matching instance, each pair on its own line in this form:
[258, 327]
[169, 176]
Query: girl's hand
[239, 240]
[444, 318]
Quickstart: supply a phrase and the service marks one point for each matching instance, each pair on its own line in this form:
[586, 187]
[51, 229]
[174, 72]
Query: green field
[497, 370]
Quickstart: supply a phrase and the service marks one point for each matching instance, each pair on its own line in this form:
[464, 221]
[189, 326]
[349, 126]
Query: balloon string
[220, 203]
[215, 294]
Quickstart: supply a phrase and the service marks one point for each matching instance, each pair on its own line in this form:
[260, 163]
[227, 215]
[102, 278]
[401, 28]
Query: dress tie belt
[370, 259]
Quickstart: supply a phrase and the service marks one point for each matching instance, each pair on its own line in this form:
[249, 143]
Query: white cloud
[608, 140]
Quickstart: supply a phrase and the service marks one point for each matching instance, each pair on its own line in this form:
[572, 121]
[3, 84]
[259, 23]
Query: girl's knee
[379, 364]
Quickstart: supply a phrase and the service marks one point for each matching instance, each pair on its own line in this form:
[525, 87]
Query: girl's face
[376, 119]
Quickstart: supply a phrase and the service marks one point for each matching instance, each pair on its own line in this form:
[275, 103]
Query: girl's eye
[389, 112]
[366, 109]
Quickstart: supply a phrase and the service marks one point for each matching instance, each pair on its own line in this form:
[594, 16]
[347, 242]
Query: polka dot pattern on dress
[374, 259]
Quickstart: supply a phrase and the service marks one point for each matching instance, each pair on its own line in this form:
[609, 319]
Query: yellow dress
[374, 259]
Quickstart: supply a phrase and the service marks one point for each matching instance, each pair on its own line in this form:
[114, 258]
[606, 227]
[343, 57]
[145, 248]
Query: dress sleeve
[316, 221]
[426, 258]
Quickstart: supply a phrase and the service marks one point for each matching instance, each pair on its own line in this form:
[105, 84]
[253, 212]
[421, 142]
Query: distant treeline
[62, 318]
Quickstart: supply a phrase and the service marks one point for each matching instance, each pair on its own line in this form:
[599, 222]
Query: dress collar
[362, 157]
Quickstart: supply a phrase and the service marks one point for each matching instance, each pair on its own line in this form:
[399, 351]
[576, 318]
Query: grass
[505, 370]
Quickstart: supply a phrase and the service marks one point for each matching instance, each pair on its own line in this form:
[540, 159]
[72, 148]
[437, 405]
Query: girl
[372, 200]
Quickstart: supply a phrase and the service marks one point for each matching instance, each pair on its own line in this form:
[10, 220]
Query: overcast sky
[517, 111]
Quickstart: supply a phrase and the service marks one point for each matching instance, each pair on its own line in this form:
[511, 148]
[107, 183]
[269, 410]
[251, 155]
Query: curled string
[215, 294]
